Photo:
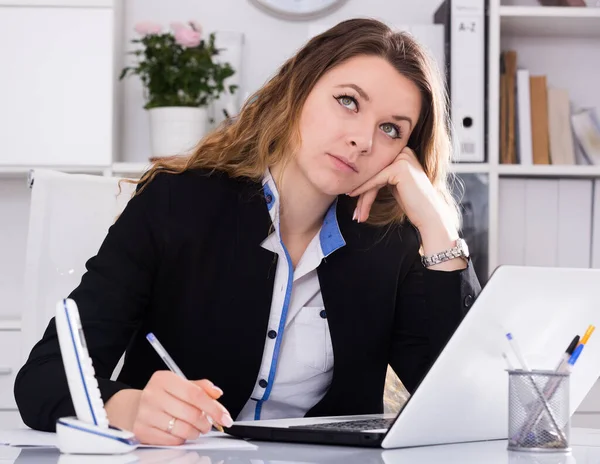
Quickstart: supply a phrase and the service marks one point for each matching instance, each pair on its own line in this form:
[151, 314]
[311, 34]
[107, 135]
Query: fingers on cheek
[357, 212]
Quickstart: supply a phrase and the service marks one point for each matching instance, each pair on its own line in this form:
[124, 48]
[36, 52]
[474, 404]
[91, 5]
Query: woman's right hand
[147, 413]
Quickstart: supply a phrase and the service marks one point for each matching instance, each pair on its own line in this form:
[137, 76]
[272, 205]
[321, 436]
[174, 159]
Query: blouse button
[468, 302]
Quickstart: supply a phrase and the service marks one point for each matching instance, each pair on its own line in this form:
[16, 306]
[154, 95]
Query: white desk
[586, 450]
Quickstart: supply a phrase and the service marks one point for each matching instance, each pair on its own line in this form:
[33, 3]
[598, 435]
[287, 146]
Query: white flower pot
[176, 130]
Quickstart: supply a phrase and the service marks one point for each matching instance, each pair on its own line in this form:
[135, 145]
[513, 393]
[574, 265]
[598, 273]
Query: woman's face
[355, 121]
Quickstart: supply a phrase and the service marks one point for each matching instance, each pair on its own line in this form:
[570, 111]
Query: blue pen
[575, 355]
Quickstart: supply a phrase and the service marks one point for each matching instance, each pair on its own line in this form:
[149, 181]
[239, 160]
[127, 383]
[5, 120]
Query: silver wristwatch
[461, 250]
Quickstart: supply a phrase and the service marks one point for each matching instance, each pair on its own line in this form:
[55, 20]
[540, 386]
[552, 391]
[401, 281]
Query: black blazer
[184, 261]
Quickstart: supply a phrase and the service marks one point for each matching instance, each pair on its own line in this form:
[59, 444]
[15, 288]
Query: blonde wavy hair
[266, 131]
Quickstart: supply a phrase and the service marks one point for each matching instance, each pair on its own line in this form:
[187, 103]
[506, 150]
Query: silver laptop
[464, 396]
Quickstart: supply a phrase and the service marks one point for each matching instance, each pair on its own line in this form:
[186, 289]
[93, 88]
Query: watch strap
[443, 256]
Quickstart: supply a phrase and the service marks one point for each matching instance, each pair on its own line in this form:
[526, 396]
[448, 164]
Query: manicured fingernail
[226, 420]
[354, 215]
[212, 423]
[217, 389]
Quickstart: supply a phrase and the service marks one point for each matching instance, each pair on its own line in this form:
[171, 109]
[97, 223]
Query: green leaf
[124, 72]
[179, 76]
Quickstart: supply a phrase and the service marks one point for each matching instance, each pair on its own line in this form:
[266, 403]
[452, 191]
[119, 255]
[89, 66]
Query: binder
[465, 40]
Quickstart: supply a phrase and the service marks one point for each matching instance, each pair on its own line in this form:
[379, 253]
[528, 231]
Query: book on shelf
[523, 119]
[537, 123]
[511, 76]
[538, 90]
[559, 127]
[508, 66]
[586, 127]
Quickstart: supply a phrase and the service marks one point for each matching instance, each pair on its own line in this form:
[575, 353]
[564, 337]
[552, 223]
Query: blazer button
[263, 383]
[323, 314]
[272, 334]
[468, 301]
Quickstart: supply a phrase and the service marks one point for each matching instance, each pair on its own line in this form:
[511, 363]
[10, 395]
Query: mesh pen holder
[538, 411]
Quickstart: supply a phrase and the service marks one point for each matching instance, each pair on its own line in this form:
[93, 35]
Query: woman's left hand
[414, 192]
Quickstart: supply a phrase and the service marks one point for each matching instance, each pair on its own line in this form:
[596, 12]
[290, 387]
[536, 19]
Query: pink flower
[187, 37]
[175, 26]
[147, 28]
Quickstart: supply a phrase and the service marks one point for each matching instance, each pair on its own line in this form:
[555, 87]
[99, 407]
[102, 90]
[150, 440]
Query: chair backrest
[69, 218]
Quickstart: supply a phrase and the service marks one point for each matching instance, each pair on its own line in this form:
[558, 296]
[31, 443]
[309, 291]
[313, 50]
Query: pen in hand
[173, 367]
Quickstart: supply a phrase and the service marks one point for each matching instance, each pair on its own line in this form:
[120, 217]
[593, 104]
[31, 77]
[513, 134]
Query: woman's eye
[391, 129]
[347, 102]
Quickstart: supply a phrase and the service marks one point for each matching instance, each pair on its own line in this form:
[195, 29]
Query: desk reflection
[493, 452]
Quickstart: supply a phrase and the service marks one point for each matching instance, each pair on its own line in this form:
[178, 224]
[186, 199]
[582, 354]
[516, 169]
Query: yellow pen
[587, 335]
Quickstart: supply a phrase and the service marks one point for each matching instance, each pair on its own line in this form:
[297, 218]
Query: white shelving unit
[538, 21]
[528, 23]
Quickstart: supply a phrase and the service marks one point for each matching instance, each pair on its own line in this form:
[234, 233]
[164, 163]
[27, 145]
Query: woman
[281, 261]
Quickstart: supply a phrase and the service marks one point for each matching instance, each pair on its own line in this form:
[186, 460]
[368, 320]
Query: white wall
[268, 43]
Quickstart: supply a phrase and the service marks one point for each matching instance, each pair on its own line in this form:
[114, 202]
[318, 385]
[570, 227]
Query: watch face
[298, 9]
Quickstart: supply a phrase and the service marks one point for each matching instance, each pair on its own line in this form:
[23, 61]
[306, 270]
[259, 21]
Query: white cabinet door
[56, 85]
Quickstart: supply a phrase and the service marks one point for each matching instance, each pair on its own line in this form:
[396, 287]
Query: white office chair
[69, 218]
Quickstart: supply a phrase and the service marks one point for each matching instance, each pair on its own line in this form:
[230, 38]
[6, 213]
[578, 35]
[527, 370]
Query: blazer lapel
[255, 277]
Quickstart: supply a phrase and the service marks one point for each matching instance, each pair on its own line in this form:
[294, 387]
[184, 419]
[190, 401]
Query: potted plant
[180, 79]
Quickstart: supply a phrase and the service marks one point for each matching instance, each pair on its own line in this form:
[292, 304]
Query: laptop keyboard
[352, 426]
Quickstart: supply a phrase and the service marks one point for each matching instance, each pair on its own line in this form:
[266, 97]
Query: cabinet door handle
[5, 370]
